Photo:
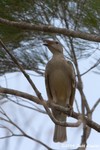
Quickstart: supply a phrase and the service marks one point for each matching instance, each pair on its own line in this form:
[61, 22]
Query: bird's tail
[60, 134]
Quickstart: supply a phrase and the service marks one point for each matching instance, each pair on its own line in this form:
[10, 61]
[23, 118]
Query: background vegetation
[26, 44]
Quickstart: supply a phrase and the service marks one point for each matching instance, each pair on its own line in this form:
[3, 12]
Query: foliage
[77, 15]
[27, 47]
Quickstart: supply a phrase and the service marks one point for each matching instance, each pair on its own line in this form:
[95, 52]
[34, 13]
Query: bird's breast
[60, 84]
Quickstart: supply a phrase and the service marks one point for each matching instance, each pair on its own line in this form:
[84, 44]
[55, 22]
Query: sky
[39, 125]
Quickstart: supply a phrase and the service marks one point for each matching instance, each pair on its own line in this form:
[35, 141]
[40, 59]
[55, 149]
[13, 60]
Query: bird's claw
[70, 109]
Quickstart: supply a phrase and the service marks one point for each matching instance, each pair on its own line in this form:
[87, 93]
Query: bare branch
[80, 83]
[95, 65]
[4, 127]
[7, 136]
[95, 105]
[51, 29]
[75, 115]
[22, 70]
[29, 137]
[23, 132]
[20, 94]
[29, 107]
[29, 80]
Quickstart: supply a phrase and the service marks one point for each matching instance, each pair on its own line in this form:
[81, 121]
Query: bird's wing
[48, 85]
[73, 83]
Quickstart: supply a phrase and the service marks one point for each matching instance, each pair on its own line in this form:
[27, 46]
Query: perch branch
[36, 100]
[51, 29]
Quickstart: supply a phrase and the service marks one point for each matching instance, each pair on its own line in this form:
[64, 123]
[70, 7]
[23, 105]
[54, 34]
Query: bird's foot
[70, 109]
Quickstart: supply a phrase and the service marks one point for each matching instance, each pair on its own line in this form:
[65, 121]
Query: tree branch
[95, 105]
[36, 100]
[8, 120]
[51, 29]
[30, 81]
[22, 70]
[21, 94]
[95, 65]
[36, 108]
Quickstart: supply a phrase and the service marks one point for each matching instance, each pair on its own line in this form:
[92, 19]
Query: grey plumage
[60, 85]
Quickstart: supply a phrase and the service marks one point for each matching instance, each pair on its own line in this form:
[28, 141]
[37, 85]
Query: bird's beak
[46, 42]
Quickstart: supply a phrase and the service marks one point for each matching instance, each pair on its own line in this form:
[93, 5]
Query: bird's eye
[57, 42]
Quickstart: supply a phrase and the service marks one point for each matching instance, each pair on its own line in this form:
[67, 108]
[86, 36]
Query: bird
[60, 85]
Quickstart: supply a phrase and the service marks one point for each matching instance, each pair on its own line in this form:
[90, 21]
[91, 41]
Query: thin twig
[75, 115]
[95, 65]
[29, 107]
[30, 81]
[21, 69]
[23, 132]
[95, 105]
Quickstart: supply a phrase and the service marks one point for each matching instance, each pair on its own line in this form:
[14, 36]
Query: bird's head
[54, 46]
